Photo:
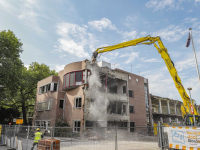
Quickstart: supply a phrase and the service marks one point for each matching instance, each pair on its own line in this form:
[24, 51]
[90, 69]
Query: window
[72, 79]
[131, 109]
[61, 104]
[48, 87]
[124, 89]
[79, 78]
[55, 86]
[132, 126]
[78, 102]
[77, 126]
[130, 93]
[46, 105]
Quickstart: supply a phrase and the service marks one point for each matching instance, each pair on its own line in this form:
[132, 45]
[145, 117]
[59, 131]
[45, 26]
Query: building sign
[19, 121]
[183, 137]
[192, 109]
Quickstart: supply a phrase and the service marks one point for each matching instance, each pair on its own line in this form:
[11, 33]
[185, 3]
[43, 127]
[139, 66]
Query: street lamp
[189, 89]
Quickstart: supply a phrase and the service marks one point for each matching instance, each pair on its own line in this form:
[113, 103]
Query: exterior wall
[138, 101]
[48, 115]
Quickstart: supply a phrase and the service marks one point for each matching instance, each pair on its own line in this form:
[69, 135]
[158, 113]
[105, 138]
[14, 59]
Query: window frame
[63, 103]
[78, 102]
[130, 109]
[75, 128]
[129, 93]
[82, 81]
[48, 101]
[46, 86]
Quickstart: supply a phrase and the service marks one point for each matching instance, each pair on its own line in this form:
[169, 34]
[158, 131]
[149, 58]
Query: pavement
[3, 147]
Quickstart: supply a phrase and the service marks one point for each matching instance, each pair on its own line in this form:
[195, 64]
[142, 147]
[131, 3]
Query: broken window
[77, 126]
[131, 93]
[131, 109]
[113, 89]
[111, 108]
[42, 89]
[61, 105]
[124, 89]
[124, 109]
[78, 102]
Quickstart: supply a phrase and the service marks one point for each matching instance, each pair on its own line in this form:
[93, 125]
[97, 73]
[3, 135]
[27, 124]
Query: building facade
[91, 95]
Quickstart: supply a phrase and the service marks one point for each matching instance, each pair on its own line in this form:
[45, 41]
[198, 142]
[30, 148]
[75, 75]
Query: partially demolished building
[91, 95]
[166, 110]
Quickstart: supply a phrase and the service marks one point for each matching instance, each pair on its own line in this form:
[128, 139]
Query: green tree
[10, 49]
[28, 86]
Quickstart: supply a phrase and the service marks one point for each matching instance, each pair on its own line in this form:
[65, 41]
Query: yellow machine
[185, 108]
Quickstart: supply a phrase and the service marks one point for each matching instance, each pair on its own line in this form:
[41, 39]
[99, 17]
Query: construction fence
[99, 138]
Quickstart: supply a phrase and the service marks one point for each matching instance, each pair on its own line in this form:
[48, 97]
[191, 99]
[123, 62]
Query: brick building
[121, 98]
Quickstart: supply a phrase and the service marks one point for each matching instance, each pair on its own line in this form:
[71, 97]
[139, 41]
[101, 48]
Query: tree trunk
[24, 112]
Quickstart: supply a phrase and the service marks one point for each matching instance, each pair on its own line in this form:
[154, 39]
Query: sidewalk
[3, 147]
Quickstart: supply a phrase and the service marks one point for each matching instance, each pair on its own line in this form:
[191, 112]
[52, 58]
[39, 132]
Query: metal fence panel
[99, 138]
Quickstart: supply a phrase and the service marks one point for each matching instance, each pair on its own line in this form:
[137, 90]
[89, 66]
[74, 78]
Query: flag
[188, 40]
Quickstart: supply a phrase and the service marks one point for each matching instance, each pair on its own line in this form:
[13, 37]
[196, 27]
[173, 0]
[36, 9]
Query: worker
[38, 136]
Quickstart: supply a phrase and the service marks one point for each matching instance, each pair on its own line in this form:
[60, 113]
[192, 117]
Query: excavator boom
[164, 54]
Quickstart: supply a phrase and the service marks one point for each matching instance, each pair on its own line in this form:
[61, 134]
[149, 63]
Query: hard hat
[38, 129]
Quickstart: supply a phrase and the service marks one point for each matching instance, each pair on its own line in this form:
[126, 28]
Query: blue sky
[58, 32]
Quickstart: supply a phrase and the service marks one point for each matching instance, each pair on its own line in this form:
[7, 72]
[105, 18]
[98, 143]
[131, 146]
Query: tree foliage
[19, 83]
[10, 49]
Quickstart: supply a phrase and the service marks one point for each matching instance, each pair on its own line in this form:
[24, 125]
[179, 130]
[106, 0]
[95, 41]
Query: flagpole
[195, 55]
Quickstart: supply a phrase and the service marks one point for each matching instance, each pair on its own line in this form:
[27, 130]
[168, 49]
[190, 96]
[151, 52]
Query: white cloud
[109, 56]
[164, 4]
[59, 67]
[132, 57]
[143, 33]
[131, 18]
[102, 24]
[73, 48]
[150, 60]
[171, 33]
[196, 1]
[131, 34]
[75, 39]
[124, 55]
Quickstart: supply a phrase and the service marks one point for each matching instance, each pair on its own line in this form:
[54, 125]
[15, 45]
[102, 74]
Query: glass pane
[67, 80]
[50, 105]
[79, 76]
[39, 106]
[45, 105]
[72, 79]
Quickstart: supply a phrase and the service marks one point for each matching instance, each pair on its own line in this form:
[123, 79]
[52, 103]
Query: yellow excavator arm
[185, 108]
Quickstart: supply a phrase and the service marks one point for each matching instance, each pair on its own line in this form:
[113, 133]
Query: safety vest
[37, 137]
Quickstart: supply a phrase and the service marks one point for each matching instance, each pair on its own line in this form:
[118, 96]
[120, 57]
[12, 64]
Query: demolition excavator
[162, 50]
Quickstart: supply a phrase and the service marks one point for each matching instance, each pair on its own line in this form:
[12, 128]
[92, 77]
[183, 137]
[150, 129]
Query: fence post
[116, 148]
[27, 138]
[51, 137]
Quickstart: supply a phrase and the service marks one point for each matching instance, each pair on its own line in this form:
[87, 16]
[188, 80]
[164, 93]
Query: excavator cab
[188, 118]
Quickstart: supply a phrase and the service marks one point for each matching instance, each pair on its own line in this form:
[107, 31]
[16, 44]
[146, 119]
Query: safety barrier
[94, 138]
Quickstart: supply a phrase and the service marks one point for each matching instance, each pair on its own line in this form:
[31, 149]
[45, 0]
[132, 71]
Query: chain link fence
[102, 138]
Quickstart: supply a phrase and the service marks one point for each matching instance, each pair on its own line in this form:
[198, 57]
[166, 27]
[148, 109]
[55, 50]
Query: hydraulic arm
[185, 108]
